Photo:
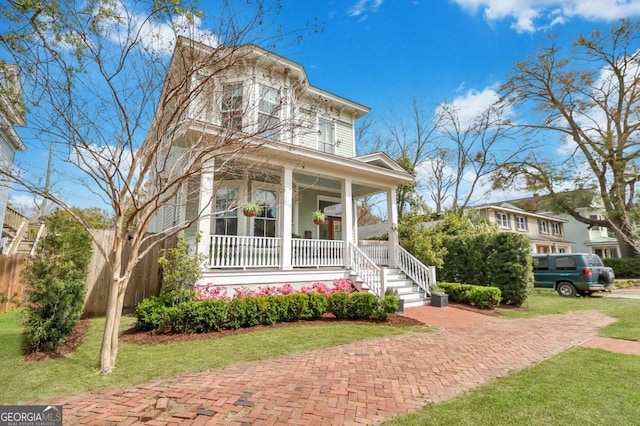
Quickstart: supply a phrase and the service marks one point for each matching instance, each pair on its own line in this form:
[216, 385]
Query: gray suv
[572, 273]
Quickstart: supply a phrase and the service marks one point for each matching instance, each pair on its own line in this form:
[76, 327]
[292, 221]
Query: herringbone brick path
[358, 383]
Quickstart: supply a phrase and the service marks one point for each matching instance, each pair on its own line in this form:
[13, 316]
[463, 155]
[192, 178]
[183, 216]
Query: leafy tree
[588, 99]
[55, 279]
[94, 76]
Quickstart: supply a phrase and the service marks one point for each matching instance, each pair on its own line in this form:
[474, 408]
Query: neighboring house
[11, 115]
[297, 170]
[546, 233]
[586, 239]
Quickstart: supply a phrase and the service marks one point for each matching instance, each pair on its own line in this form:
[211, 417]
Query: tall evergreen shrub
[55, 280]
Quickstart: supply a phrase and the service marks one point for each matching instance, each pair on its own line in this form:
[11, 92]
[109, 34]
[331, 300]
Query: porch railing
[230, 251]
[423, 276]
[378, 252]
[316, 253]
[367, 270]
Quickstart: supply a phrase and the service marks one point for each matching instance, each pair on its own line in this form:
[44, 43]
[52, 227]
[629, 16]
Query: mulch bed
[133, 335]
[65, 348]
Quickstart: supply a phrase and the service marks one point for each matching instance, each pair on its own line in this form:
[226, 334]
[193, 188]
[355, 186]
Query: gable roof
[380, 159]
[508, 207]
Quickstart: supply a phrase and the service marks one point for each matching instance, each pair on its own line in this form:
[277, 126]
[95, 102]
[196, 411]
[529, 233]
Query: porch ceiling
[317, 182]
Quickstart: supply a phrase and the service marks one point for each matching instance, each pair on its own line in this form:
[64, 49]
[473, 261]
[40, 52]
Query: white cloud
[157, 36]
[471, 104]
[533, 15]
[363, 6]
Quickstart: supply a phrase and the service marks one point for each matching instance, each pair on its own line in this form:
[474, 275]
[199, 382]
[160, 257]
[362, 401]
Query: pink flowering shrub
[210, 291]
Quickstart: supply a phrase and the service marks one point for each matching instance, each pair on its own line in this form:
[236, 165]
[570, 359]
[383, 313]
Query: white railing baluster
[377, 251]
[316, 253]
[423, 276]
[367, 270]
[230, 251]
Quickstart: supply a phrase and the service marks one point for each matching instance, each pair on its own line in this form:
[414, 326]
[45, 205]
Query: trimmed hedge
[500, 260]
[624, 267]
[161, 314]
[474, 295]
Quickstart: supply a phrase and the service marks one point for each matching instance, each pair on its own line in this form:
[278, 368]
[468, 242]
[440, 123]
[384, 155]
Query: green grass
[544, 302]
[579, 387]
[30, 381]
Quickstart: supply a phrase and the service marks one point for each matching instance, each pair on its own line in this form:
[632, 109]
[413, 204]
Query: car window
[593, 260]
[540, 263]
[565, 263]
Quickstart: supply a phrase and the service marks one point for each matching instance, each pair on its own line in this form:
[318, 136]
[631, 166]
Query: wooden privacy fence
[145, 281]
[11, 289]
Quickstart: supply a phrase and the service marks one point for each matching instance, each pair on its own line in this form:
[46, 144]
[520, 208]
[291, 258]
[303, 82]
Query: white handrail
[367, 270]
[423, 276]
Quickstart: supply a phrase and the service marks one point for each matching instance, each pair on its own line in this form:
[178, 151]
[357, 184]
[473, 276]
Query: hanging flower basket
[251, 209]
[318, 217]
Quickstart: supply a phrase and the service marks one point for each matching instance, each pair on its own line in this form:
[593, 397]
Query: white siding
[344, 134]
[308, 135]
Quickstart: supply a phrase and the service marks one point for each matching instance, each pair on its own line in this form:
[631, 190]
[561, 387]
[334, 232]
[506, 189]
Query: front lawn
[544, 302]
[34, 380]
[580, 386]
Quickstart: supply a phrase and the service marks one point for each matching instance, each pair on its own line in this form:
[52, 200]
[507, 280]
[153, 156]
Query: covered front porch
[282, 242]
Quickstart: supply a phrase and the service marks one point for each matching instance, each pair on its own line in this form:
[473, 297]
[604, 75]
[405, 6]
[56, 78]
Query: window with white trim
[326, 136]
[226, 215]
[269, 112]
[264, 224]
[231, 108]
[556, 228]
[521, 223]
[502, 219]
[543, 226]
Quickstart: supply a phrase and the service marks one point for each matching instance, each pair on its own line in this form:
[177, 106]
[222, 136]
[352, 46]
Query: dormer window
[269, 112]
[231, 108]
[326, 136]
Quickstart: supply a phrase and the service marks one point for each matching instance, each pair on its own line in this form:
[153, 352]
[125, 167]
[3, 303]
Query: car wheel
[566, 290]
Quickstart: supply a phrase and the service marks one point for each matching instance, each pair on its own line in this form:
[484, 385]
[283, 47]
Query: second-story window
[231, 108]
[269, 112]
[556, 228]
[502, 219]
[543, 226]
[521, 223]
[326, 136]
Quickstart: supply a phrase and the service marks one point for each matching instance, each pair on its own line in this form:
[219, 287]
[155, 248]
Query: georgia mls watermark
[30, 415]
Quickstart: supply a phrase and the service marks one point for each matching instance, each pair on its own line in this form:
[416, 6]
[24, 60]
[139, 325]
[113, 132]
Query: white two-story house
[298, 156]
[11, 115]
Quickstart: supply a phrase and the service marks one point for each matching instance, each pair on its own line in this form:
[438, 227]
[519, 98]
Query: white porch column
[205, 207]
[286, 217]
[392, 219]
[347, 218]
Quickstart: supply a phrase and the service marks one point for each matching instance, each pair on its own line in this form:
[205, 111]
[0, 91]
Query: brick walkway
[358, 383]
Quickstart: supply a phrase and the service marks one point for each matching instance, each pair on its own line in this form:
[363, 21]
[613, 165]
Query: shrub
[317, 305]
[338, 305]
[386, 306]
[55, 280]
[149, 313]
[180, 268]
[624, 267]
[296, 307]
[480, 296]
[362, 306]
[501, 260]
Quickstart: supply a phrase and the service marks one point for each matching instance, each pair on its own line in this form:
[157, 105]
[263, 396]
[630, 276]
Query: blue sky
[383, 53]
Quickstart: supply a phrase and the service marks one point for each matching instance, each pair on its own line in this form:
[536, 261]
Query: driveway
[359, 383]
[626, 293]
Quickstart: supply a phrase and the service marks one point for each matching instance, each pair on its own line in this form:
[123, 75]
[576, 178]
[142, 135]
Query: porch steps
[404, 286]
[406, 290]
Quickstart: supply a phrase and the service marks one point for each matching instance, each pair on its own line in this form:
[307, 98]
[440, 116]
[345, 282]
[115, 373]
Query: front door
[331, 229]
